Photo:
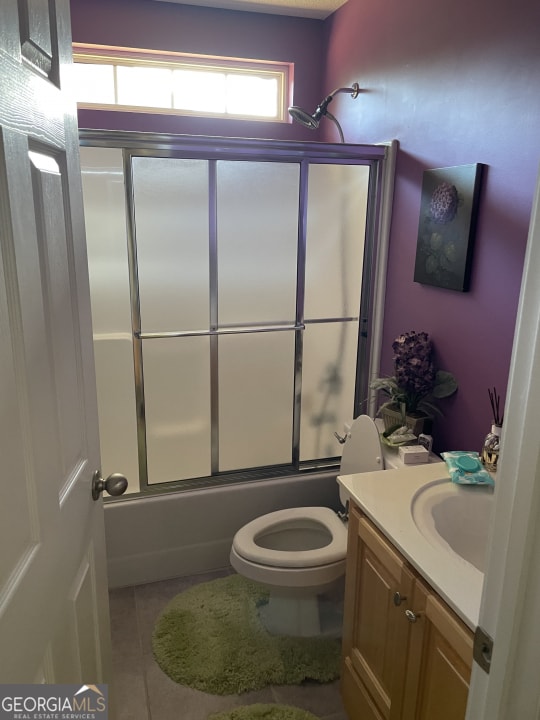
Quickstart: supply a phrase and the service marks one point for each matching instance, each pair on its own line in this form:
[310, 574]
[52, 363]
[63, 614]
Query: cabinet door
[375, 634]
[439, 661]
[356, 699]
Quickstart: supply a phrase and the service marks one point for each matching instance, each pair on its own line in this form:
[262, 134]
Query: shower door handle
[115, 484]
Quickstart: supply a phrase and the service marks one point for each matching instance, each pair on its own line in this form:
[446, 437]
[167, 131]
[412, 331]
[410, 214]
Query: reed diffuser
[492, 443]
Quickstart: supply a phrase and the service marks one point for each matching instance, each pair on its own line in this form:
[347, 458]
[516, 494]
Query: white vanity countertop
[386, 497]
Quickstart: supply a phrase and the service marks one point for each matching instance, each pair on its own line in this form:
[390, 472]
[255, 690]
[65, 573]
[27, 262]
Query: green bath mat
[210, 638]
[264, 712]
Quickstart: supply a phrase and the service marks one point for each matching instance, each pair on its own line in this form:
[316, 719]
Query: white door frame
[511, 596]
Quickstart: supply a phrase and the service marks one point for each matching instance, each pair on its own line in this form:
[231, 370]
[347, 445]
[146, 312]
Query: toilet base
[302, 615]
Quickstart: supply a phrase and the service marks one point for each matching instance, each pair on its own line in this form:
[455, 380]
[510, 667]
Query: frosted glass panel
[146, 86]
[328, 382]
[199, 91]
[94, 83]
[256, 386]
[257, 241]
[113, 358]
[171, 215]
[105, 216]
[336, 218]
[177, 398]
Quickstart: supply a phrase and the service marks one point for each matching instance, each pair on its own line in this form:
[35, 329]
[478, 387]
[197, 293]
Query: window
[148, 81]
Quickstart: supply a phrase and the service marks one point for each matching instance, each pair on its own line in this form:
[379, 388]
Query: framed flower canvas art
[447, 226]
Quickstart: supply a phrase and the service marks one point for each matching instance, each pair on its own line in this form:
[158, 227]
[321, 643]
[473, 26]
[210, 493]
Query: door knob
[115, 484]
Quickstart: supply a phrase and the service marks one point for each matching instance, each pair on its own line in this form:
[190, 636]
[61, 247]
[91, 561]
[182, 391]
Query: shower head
[303, 117]
[312, 121]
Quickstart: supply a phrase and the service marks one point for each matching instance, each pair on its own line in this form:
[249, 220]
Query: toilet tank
[364, 452]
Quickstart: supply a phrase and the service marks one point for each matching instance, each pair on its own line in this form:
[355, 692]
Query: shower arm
[322, 106]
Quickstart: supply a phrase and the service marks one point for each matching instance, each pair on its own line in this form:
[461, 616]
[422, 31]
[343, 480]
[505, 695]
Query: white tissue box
[413, 454]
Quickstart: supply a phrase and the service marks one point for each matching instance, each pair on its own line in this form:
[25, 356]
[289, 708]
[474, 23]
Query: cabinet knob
[398, 598]
[412, 616]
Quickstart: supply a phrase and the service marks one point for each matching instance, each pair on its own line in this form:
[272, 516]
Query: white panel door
[54, 624]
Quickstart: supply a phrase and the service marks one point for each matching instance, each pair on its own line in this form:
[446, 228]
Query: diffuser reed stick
[495, 400]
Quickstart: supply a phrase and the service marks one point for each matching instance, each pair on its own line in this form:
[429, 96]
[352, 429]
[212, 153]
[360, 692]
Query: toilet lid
[363, 450]
[245, 540]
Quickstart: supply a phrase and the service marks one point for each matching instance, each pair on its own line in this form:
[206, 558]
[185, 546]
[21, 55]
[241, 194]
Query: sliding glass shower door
[256, 250]
[216, 252]
[245, 289]
[171, 264]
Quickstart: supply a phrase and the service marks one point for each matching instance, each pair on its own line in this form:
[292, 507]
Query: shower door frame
[381, 161]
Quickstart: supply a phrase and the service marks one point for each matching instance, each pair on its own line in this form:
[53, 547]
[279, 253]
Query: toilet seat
[322, 518]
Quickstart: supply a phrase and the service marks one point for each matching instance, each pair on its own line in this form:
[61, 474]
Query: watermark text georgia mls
[53, 702]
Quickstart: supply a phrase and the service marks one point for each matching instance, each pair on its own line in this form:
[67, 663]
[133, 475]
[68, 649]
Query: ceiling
[317, 9]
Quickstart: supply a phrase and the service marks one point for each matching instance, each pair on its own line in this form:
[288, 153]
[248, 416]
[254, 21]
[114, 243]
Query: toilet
[299, 553]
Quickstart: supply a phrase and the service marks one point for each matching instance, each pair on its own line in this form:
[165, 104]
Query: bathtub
[184, 533]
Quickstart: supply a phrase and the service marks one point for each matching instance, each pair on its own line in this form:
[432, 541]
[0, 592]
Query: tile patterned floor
[143, 692]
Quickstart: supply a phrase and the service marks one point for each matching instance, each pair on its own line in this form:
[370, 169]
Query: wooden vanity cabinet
[397, 665]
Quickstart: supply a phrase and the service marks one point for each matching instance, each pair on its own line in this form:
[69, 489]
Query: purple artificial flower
[414, 369]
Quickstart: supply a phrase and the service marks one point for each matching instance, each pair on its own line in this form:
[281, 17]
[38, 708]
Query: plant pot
[391, 416]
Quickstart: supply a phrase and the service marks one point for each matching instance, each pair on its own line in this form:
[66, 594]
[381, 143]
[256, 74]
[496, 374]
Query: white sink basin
[455, 517]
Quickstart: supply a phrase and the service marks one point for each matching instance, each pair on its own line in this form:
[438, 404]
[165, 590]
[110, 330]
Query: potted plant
[416, 385]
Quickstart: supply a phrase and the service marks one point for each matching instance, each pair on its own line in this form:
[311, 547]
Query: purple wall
[185, 28]
[455, 83]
